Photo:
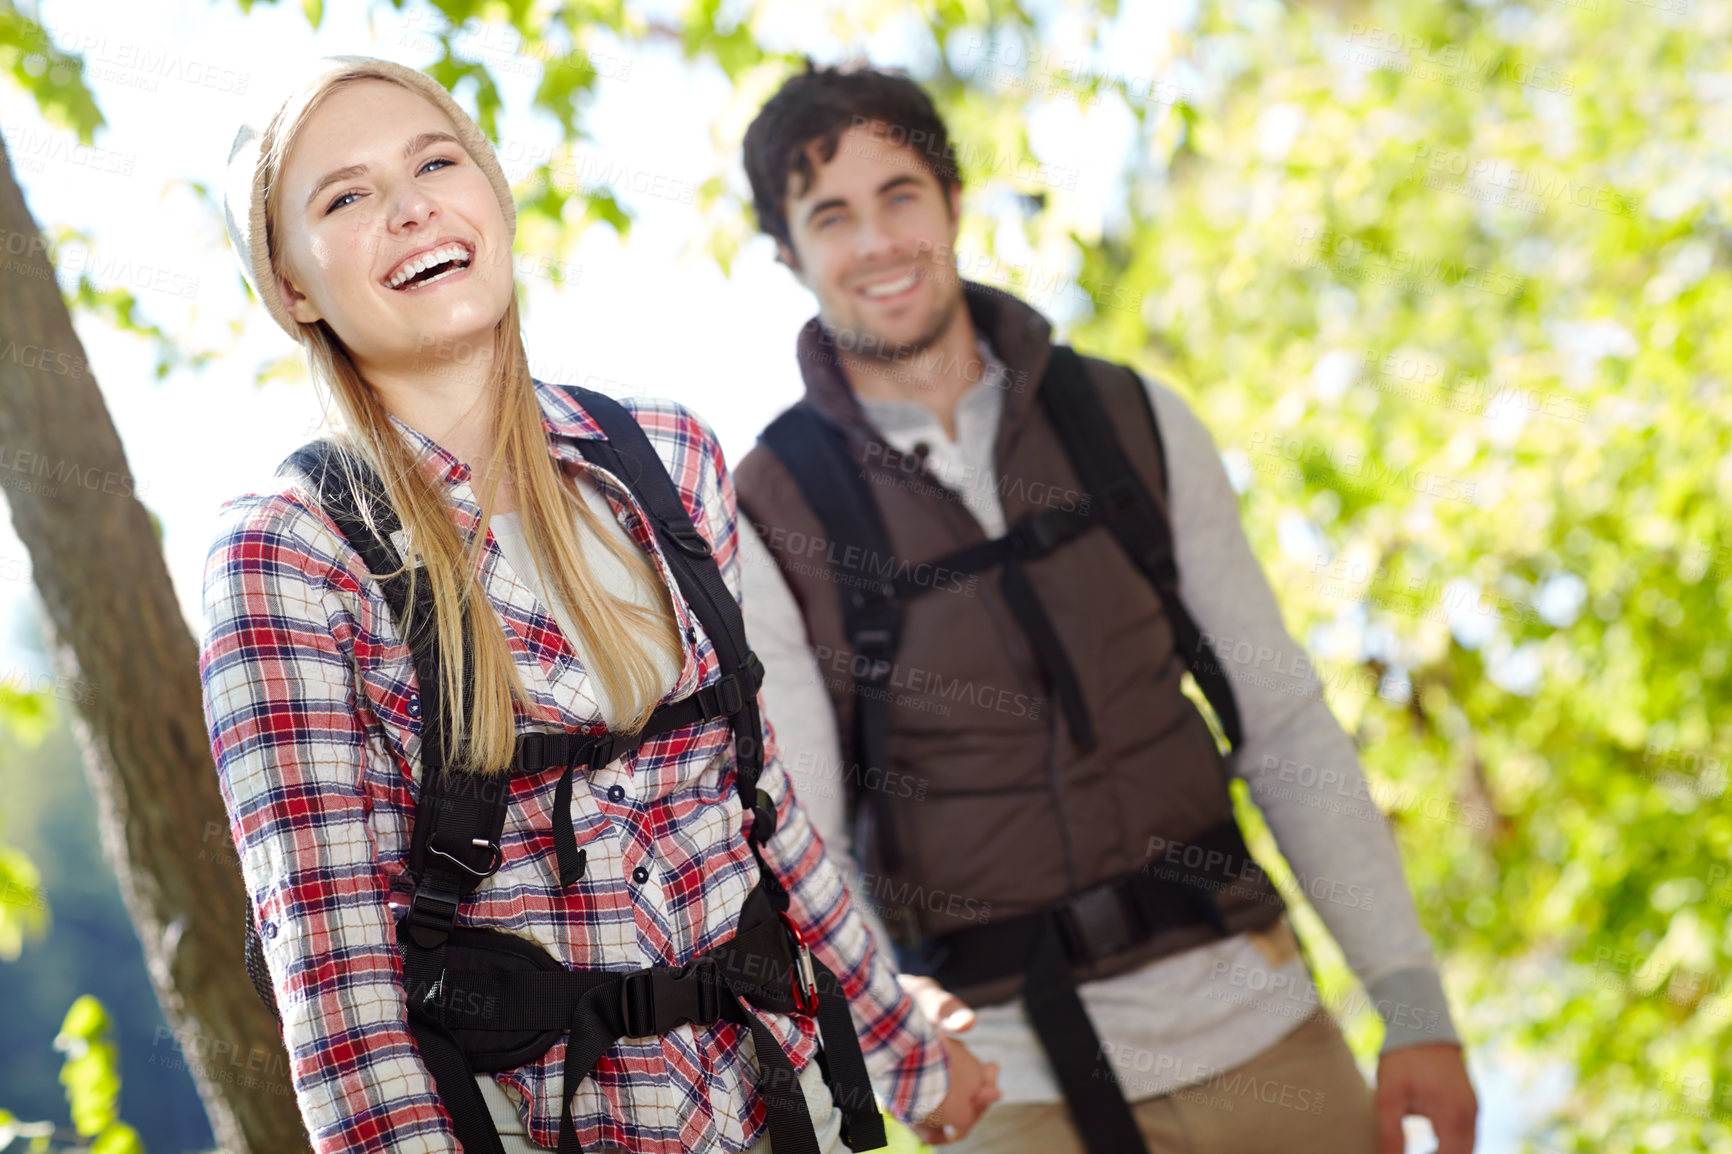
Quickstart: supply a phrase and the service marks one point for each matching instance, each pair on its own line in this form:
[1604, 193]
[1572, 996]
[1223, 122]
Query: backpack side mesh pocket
[256, 965]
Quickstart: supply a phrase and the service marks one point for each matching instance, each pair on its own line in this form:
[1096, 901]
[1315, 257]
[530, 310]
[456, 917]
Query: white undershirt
[613, 575]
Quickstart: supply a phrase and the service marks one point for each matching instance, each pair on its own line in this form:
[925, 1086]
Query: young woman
[373, 220]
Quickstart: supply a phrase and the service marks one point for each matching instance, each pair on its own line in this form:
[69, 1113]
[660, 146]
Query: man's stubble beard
[873, 346]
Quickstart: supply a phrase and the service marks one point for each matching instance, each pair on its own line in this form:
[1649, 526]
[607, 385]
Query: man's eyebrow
[416, 144]
[896, 181]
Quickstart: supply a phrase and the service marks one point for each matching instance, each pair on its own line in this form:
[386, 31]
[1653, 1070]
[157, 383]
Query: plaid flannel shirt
[314, 721]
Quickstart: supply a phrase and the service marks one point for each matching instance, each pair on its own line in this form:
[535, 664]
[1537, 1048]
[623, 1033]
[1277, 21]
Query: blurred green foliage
[90, 1070]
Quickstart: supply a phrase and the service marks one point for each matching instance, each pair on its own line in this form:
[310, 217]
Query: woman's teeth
[410, 269]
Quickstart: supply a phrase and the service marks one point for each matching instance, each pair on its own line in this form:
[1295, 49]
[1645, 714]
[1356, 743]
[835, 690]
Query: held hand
[1429, 1080]
[941, 1007]
[973, 1087]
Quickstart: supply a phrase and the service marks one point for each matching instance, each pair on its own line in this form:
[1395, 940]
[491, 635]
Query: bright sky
[640, 318]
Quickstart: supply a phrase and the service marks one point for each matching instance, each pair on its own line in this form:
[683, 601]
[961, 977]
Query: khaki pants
[1303, 1095]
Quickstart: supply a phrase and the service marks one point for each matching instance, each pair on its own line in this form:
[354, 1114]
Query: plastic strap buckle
[763, 818]
[655, 999]
[1099, 922]
[1120, 495]
[601, 754]
[1033, 537]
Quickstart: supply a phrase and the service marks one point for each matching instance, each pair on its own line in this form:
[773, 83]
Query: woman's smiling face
[375, 187]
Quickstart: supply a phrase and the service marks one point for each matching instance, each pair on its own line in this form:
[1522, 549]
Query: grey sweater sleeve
[800, 715]
[1302, 769]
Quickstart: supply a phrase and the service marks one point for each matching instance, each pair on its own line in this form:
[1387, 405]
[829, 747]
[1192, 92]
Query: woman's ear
[299, 306]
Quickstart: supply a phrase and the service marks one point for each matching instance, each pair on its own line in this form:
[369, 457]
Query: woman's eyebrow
[416, 144]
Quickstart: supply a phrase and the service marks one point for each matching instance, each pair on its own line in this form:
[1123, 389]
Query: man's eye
[901, 196]
[829, 219]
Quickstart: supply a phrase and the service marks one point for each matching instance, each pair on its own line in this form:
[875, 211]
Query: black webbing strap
[1130, 512]
[816, 455]
[1049, 649]
[723, 698]
[1032, 537]
[1097, 1105]
[458, 1090]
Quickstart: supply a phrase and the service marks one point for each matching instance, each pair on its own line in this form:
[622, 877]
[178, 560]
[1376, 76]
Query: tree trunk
[129, 670]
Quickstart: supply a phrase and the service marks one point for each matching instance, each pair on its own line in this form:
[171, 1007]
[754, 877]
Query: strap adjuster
[731, 697]
[432, 915]
[531, 754]
[753, 668]
[601, 754]
[1120, 495]
[763, 818]
[689, 539]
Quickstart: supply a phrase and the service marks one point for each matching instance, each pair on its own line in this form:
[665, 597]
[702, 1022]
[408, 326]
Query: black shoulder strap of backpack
[815, 454]
[1131, 514]
[458, 823]
[627, 453]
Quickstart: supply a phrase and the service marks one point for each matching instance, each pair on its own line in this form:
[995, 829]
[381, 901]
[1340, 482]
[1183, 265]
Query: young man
[981, 571]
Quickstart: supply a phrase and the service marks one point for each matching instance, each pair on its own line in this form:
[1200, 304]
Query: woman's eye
[343, 200]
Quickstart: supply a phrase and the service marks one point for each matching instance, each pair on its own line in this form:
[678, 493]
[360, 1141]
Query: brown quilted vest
[996, 811]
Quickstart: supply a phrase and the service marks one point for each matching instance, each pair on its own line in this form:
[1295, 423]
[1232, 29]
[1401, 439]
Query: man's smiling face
[874, 239]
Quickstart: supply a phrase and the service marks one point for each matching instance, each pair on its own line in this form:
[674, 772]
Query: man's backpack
[815, 454]
[1042, 945]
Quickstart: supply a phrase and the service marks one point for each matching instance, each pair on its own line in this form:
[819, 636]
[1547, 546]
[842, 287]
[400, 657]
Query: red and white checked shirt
[314, 721]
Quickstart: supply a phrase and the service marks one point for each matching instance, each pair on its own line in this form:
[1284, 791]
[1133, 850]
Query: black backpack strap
[815, 453]
[459, 816]
[627, 453]
[1131, 514]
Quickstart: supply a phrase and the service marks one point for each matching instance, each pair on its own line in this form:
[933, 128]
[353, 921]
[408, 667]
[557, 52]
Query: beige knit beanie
[244, 182]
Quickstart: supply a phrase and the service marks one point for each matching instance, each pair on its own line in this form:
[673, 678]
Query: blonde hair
[618, 637]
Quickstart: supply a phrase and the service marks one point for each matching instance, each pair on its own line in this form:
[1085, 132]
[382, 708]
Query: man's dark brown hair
[817, 107]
